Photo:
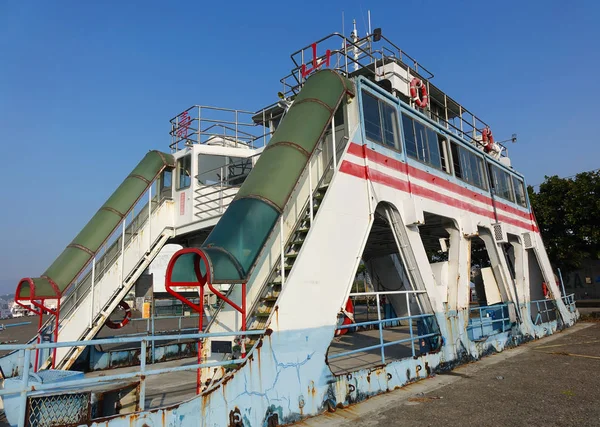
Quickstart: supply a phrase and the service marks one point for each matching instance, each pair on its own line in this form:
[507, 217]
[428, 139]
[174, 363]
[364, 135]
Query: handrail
[25, 389]
[120, 243]
[363, 56]
[199, 123]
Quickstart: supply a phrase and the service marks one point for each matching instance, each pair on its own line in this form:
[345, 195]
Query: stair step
[297, 242]
[262, 314]
[292, 255]
[269, 299]
[303, 230]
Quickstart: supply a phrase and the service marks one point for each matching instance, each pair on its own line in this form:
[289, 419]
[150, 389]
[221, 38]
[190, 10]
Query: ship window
[519, 191]
[228, 171]
[424, 144]
[184, 169]
[468, 166]
[381, 121]
[501, 183]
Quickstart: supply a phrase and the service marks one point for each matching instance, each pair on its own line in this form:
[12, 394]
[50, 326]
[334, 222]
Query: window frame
[492, 167]
[381, 100]
[521, 181]
[479, 157]
[180, 161]
[441, 142]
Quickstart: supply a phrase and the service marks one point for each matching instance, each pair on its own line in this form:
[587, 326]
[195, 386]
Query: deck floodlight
[377, 34]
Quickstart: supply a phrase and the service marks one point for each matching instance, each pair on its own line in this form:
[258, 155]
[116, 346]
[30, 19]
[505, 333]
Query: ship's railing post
[282, 260]
[123, 250]
[153, 332]
[380, 329]
[310, 191]
[410, 326]
[149, 217]
[92, 293]
[143, 374]
[333, 142]
[25, 372]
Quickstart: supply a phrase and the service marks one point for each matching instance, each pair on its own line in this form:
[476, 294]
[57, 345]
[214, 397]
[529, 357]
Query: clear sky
[87, 88]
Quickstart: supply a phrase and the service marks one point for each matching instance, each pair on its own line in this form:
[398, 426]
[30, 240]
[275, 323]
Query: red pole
[200, 321]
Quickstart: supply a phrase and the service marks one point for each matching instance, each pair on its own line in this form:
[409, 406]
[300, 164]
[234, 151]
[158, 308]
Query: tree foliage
[568, 214]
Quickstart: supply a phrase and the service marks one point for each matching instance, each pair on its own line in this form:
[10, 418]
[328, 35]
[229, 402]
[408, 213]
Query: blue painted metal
[491, 319]
[422, 334]
[3, 326]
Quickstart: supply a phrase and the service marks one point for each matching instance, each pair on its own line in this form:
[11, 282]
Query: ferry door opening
[184, 200]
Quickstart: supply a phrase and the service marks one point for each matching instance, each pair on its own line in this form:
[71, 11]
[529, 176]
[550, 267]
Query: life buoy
[545, 289]
[487, 139]
[416, 85]
[114, 325]
[348, 314]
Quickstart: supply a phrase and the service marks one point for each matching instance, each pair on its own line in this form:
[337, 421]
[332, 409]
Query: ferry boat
[361, 233]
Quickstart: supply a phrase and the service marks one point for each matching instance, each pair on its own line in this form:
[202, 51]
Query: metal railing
[346, 57]
[202, 124]
[114, 247]
[545, 311]
[569, 301]
[414, 336]
[27, 389]
[488, 320]
[212, 199]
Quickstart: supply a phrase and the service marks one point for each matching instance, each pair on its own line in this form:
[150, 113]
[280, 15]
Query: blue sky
[86, 88]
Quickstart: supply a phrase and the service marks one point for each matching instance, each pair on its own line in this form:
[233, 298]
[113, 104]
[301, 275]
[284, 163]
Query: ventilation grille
[58, 410]
[499, 234]
[527, 240]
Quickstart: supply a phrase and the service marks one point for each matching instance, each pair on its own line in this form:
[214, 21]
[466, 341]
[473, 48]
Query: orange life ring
[114, 325]
[488, 139]
[348, 313]
[416, 85]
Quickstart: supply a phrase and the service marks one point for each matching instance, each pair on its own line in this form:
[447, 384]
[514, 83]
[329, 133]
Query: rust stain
[235, 418]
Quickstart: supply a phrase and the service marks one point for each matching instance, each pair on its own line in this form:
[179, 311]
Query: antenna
[354, 37]
[369, 20]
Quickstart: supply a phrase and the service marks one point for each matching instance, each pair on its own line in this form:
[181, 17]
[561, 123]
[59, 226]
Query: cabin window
[501, 183]
[381, 121]
[468, 166]
[223, 170]
[519, 191]
[184, 172]
[424, 144]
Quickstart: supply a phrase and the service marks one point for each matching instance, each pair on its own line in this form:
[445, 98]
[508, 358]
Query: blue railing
[544, 311]
[427, 333]
[27, 389]
[569, 301]
[489, 320]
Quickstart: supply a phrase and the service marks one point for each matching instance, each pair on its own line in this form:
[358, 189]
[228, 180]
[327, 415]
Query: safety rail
[325, 174]
[211, 199]
[109, 252]
[366, 56]
[569, 301]
[202, 124]
[114, 247]
[418, 336]
[27, 390]
[488, 320]
[545, 311]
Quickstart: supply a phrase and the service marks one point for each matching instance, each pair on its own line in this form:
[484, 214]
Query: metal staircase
[265, 303]
[86, 308]
[265, 300]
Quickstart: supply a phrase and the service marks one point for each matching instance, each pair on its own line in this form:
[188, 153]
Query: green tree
[568, 214]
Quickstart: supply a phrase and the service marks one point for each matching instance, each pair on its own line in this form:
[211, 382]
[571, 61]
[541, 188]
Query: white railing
[101, 296]
[201, 124]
